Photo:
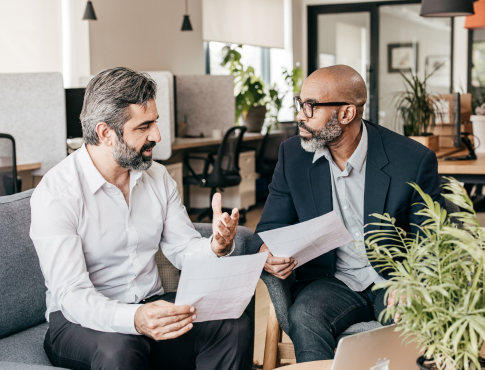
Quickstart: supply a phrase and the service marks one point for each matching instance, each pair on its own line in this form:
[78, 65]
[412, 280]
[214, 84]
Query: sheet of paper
[219, 288]
[307, 240]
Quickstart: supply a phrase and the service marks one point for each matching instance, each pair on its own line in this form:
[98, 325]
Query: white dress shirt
[97, 253]
[348, 186]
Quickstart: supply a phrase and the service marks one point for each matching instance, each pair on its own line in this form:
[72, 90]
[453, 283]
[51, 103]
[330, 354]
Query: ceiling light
[186, 26]
[446, 8]
[477, 21]
[89, 13]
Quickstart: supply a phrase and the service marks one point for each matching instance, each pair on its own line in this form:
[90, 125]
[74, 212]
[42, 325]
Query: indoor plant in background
[248, 89]
[439, 273]
[416, 109]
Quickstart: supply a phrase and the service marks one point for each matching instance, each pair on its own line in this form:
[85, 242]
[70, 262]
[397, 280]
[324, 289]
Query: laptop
[379, 349]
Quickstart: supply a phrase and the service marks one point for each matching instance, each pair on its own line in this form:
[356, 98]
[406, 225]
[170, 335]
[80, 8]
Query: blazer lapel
[321, 186]
[376, 181]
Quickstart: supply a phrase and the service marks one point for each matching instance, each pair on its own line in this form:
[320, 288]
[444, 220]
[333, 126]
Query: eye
[144, 128]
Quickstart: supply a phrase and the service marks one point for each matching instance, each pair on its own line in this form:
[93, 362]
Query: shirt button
[133, 256]
[132, 284]
[357, 234]
[346, 207]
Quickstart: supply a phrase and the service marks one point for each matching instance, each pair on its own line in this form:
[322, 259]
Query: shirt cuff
[210, 253]
[124, 318]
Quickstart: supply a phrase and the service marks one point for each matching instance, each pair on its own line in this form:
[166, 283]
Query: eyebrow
[308, 100]
[146, 122]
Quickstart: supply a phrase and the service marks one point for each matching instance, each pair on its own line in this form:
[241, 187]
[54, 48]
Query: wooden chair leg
[273, 335]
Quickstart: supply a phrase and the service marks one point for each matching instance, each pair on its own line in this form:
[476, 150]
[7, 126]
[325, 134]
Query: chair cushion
[26, 347]
[19, 366]
[22, 288]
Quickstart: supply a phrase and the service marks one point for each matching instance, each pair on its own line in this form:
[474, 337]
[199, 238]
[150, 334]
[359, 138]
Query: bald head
[339, 83]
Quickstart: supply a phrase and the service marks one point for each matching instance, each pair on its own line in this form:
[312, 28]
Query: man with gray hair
[98, 218]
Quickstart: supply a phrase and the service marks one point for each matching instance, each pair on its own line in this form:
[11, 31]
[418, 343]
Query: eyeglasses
[308, 107]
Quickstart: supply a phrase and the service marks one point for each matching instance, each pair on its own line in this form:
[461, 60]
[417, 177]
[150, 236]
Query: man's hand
[281, 267]
[162, 320]
[391, 301]
[224, 227]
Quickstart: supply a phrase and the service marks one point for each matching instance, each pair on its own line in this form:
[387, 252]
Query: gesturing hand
[224, 227]
[391, 301]
[162, 320]
[281, 267]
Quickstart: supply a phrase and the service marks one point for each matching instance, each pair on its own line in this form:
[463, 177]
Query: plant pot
[420, 363]
[479, 132]
[254, 120]
[431, 141]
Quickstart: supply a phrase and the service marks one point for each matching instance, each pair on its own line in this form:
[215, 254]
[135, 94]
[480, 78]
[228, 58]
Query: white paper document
[219, 288]
[307, 240]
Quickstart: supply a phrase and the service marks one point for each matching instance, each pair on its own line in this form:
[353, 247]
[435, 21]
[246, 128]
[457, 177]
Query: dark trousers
[323, 309]
[209, 345]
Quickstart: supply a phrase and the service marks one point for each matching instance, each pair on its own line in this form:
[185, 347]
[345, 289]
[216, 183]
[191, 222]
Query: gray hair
[107, 99]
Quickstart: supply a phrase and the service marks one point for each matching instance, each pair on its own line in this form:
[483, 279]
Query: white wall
[75, 42]
[30, 36]
[145, 35]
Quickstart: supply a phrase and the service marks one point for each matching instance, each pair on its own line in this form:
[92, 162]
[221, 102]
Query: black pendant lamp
[446, 8]
[186, 26]
[89, 13]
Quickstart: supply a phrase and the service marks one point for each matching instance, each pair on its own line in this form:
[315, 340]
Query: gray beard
[129, 158]
[319, 139]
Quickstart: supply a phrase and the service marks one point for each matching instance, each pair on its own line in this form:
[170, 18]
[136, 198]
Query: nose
[301, 116]
[154, 134]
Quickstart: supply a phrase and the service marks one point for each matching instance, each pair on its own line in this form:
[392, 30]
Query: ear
[347, 114]
[105, 134]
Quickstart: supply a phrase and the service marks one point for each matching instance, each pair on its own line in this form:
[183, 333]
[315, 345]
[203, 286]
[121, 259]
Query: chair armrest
[192, 172]
[279, 291]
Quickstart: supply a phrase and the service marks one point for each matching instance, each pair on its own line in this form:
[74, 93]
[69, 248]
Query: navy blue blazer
[302, 190]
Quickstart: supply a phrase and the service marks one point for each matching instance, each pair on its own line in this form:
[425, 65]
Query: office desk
[24, 170]
[314, 365]
[187, 143]
[464, 171]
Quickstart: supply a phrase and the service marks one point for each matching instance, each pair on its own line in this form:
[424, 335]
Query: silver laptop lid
[379, 349]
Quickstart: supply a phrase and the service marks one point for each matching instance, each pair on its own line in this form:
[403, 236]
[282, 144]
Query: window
[267, 63]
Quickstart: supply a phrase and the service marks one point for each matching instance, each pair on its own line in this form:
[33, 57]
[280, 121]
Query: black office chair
[225, 168]
[10, 183]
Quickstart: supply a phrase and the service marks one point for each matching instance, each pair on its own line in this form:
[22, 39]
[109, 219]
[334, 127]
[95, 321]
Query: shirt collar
[93, 177]
[358, 156]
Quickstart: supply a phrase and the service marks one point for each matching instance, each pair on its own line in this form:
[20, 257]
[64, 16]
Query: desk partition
[32, 110]
[207, 101]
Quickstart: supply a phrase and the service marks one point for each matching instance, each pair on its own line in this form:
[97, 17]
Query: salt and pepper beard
[320, 138]
[130, 158]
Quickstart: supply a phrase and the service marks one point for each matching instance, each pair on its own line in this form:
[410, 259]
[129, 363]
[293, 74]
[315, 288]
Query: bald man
[343, 163]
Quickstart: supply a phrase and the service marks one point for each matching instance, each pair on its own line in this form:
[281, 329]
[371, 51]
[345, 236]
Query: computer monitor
[74, 106]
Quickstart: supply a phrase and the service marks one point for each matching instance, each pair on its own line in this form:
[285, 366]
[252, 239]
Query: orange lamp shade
[477, 21]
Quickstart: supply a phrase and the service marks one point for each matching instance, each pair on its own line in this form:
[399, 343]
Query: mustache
[306, 128]
[147, 146]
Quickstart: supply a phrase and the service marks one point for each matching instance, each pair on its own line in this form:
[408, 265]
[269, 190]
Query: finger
[178, 333]
[224, 230]
[173, 311]
[217, 204]
[287, 270]
[278, 260]
[178, 325]
[391, 298]
[174, 319]
[227, 220]
[235, 215]
[278, 268]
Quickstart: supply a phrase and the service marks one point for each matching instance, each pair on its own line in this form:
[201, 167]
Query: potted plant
[415, 107]
[248, 89]
[439, 275]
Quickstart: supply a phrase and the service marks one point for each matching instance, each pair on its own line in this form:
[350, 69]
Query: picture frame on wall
[440, 66]
[402, 57]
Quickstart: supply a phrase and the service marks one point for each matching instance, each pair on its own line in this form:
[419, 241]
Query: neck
[108, 168]
[343, 148]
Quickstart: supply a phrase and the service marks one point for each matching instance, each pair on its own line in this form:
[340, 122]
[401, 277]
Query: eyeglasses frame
[329, 104]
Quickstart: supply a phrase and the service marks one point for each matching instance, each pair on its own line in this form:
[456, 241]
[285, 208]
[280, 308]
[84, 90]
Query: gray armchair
[22, 288]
